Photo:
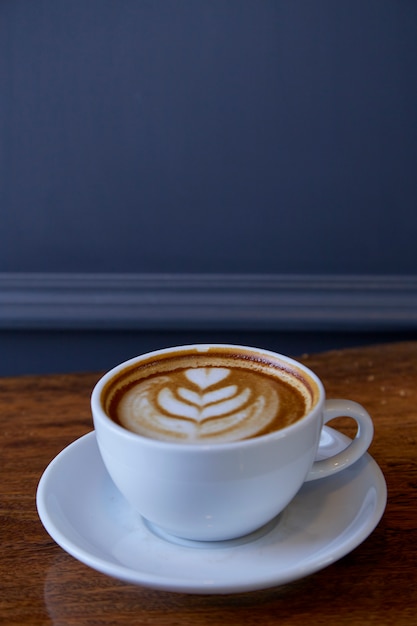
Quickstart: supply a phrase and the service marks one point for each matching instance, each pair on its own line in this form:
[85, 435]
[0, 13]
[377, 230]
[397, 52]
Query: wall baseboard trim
[207, 301]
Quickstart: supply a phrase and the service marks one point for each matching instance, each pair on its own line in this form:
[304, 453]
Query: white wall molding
[207, 301]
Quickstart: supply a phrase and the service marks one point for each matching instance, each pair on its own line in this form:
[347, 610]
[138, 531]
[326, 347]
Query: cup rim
[98, 411]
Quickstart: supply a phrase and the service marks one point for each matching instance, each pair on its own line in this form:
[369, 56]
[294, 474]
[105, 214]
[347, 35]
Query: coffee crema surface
[206, 398]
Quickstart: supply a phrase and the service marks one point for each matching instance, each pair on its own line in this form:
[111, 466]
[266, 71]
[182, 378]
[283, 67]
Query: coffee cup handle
[358, 446]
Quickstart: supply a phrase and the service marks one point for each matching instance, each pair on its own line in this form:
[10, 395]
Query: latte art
[206, 404]
[200, 406]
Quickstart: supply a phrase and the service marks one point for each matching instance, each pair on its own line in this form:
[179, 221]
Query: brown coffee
[211, 396]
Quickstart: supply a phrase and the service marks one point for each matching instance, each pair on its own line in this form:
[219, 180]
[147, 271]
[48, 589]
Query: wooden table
[375, 584]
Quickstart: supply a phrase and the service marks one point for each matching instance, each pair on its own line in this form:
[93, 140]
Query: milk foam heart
[205, 377]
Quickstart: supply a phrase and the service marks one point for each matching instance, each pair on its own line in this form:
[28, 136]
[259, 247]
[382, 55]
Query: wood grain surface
[375, 584]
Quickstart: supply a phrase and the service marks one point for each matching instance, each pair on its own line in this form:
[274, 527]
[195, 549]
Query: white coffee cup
[222, 490]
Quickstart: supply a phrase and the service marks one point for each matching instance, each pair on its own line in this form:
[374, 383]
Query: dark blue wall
[261, 136]
[47, 352]
[208, 136]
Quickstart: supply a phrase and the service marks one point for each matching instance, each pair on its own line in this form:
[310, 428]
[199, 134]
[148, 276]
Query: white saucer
[86, 515]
